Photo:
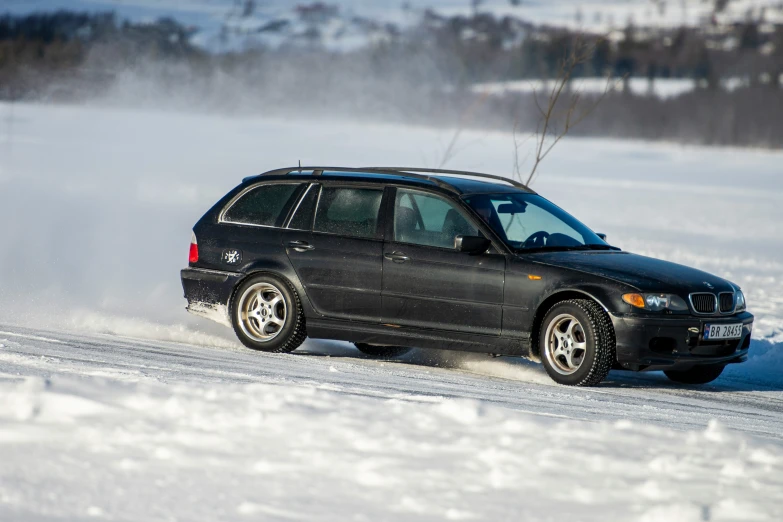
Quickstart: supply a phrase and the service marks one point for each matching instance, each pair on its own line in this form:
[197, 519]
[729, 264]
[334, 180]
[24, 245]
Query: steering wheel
[536, 239]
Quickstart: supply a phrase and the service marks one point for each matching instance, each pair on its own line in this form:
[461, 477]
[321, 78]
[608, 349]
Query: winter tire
[577, 343]
[696, 375]
[386, 352]
[267, 315]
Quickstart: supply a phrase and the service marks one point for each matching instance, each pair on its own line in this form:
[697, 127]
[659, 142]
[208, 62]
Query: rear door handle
[300, 246]
[397, 257]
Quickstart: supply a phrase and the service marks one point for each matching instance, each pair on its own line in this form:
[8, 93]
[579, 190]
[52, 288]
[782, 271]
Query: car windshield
[529, 222]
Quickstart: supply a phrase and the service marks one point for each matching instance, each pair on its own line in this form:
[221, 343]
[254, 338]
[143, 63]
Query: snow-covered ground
[661, 87]
[118, 429]
[116, 404]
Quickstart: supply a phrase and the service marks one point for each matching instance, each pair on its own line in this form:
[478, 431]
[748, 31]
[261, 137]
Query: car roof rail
[416, 170]
[411, 172]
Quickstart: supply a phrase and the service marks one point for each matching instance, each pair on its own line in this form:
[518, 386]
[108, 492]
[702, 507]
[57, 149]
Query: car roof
[455, 181]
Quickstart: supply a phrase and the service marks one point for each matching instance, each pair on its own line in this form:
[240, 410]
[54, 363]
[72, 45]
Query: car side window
[348, 211]
[303, 214]
[263, 205]
[426, 219]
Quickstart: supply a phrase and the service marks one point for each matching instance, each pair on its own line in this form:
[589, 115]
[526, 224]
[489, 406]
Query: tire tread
[298, 333]
[605, 343]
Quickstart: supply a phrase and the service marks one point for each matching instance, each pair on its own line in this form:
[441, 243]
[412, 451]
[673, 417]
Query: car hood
[644, 273]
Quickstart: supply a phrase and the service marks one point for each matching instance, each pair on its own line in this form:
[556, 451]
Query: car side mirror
[471, 244]
[602, 236]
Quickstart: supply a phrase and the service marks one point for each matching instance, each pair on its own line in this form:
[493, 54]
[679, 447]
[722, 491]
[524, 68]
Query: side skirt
[414, 337]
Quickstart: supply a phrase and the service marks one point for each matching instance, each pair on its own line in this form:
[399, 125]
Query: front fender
[532, 288]
[605, 295]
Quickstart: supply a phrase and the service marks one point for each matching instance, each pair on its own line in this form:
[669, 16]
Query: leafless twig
[555, 123]
[464, 121]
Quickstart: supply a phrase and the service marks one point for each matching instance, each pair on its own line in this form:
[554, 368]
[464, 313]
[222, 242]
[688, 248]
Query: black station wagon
[393, 258]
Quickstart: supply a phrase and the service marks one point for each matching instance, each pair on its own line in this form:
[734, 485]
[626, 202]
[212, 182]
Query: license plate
[722, 331]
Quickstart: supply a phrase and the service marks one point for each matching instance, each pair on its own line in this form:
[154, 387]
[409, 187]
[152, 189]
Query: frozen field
[114, 403]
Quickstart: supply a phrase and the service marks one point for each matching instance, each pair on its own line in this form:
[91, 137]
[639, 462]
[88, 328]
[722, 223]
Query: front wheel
[267, 316]
[385, 352]
[696, 375]
[577, 343]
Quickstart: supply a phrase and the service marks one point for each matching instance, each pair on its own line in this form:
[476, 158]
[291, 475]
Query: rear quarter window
[264, 205]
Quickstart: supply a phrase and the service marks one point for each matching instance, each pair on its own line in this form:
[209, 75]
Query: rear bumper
[676, 343]
[209, 291]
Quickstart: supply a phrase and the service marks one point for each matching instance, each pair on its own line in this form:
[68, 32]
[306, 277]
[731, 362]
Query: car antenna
[300, 166]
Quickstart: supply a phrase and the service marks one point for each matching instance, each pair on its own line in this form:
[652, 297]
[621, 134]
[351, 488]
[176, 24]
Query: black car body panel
[640, 272]
[658, 343]
[375, 289]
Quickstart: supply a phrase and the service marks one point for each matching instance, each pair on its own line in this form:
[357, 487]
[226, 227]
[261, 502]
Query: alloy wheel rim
[566, 344]
[262, 312]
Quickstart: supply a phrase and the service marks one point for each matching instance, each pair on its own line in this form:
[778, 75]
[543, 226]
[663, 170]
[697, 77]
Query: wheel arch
[276, 269]
[550, 301]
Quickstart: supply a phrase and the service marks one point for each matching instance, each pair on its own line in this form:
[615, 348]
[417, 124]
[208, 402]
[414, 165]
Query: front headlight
[739, 302]
[656, 302]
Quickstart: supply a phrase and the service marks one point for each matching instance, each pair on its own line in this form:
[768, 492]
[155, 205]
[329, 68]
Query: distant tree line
[421, 74]
[78, 52]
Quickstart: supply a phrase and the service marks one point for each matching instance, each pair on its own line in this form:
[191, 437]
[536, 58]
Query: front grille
[727, 302]
[704, 303]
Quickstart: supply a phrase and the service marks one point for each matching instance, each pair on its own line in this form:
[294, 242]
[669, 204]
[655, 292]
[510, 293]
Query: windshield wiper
[602, 247]
[552, 248]
[567, 248]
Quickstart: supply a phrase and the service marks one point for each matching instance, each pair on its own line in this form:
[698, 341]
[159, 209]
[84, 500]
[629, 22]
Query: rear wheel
[382, 351]
[696, 375]
[266, 315]
[577, 343]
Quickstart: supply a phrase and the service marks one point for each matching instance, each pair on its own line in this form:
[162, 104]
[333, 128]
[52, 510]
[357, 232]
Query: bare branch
[464, 120]
[564, 109]
[517, 145]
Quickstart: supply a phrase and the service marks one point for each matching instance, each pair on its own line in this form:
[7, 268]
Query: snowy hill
[347, 24]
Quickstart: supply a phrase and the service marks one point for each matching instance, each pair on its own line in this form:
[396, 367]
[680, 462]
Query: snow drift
[147, 451]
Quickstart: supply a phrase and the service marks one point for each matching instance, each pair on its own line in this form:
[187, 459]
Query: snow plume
[93, 322]
[405, 88]
[511, 368]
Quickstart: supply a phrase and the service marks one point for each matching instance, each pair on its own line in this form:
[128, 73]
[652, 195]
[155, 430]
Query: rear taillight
[193, 258]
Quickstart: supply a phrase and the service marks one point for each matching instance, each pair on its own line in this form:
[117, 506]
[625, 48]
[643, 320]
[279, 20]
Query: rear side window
[263, 205]
[348, 211]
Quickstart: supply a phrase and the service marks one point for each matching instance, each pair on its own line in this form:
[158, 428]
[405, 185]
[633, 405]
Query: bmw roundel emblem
[232, 256]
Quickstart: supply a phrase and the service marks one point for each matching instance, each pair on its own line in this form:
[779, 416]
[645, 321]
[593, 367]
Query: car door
[427, 283]
[337, 249]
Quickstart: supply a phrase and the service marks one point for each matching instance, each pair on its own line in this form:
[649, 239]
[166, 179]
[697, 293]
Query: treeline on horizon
[422, 74]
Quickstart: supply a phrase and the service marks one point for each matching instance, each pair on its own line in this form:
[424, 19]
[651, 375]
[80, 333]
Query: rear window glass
[348, 211]
[263, 205]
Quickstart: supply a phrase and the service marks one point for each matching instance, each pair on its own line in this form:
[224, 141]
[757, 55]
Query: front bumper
[647, 342]
[209, 291]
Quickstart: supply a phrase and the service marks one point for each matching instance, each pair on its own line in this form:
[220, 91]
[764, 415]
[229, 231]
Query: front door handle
[300, 246]
[397, 257]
